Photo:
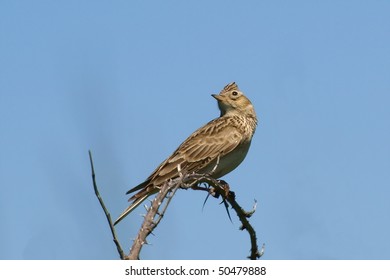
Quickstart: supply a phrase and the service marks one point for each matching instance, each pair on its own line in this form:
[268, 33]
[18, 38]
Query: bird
[219, 146]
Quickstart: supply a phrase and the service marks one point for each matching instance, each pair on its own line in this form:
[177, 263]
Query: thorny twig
[192, 181]
[150, 222]
[218, 188]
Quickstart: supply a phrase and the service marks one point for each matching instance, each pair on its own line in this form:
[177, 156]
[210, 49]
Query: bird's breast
[230, 161]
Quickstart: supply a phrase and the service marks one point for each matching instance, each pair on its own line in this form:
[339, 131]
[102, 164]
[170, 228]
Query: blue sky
[130, 80]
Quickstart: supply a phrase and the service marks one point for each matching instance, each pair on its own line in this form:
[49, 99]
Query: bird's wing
[216, 139]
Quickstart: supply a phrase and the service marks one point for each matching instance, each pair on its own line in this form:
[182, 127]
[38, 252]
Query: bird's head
[232, 101]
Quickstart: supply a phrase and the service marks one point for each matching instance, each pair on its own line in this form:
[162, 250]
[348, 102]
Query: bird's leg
[215, 167]
[200, 188]
[225, 187]
[213, 192]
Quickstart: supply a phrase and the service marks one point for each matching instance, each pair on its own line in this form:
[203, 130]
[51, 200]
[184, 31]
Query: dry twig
[108, 216]
[154, 215]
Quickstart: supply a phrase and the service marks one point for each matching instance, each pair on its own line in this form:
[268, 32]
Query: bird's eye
[234, 93]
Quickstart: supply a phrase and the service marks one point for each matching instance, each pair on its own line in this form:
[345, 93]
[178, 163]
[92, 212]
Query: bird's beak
[217, 96]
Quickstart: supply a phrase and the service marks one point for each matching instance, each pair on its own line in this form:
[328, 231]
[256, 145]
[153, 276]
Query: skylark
[222, 143]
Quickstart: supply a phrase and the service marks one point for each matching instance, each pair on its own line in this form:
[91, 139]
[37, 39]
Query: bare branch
[160, 203]
[108, 216]
[221, 188]
[153, 217]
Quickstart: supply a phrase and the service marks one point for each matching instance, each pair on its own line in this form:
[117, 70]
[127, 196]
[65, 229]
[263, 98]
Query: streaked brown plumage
[227, 137]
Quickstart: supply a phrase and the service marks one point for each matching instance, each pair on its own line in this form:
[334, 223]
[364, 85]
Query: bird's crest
[231, 86]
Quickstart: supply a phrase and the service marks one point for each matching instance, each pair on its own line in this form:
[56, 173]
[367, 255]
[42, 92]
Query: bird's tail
[134, 205]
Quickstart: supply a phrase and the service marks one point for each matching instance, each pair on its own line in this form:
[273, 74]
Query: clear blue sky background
[130, 80]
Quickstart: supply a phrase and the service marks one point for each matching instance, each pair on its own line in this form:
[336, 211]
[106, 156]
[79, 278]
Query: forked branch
[156, 211]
